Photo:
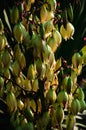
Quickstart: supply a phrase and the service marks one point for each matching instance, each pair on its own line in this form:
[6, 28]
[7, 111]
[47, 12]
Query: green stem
[60, 126]
[41, 91]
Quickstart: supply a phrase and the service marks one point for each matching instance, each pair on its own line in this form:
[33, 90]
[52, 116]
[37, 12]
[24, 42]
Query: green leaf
[7, 20]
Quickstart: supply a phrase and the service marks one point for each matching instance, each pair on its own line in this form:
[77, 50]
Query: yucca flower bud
[68, 31]
[45, 15]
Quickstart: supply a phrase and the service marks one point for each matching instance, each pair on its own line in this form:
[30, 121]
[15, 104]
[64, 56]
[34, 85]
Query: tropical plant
[41, 60]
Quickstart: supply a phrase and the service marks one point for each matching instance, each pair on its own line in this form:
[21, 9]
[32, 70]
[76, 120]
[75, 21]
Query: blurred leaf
[7, 20]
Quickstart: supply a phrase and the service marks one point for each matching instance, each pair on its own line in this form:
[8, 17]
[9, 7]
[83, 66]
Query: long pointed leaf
[7, 20]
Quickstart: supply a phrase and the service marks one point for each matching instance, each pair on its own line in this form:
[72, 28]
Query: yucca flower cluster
[33, 83]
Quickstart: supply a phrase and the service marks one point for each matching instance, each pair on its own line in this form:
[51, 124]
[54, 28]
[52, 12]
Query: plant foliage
[42, 55]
